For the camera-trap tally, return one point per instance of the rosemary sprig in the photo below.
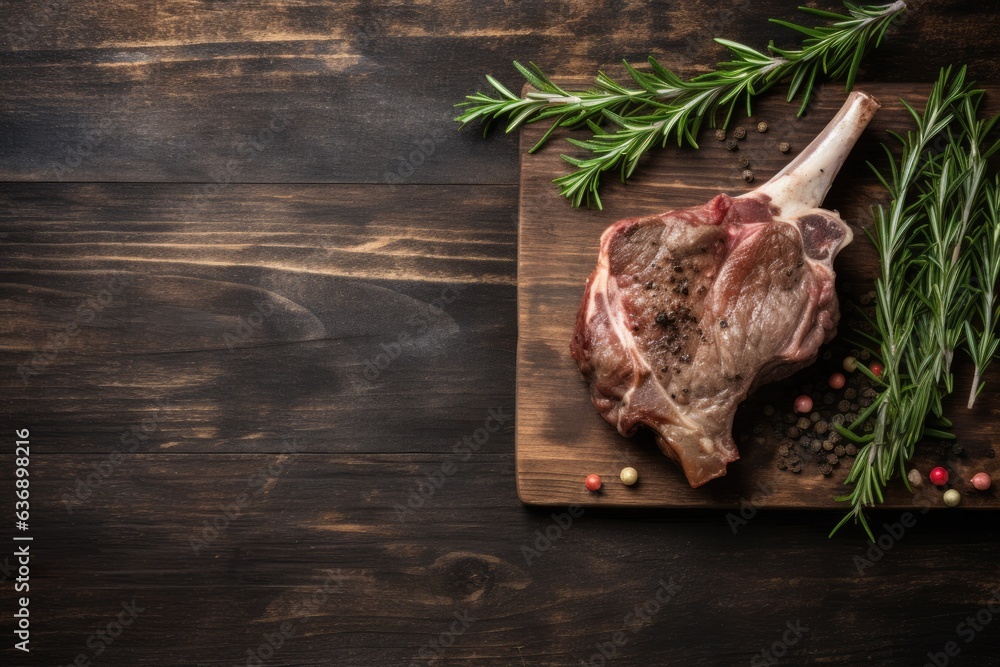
(665, 106)
(924, 290)
(983, 342)
(985, 246)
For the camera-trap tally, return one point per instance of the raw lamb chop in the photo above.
(689, 311)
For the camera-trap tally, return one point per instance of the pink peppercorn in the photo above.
(939, 476)
(981, 481)
(837, 381)
(877, 369)
(803, 404)
(593, 482)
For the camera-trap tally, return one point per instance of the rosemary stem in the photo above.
(975, 387)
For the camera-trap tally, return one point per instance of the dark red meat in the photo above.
(687, 312)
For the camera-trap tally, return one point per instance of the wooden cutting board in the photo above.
(560, 436)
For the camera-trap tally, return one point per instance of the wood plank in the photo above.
(561, 438)
(228, 323)
(402, 580)
(172, 91)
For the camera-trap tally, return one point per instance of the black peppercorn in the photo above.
(784, 147)
(748, 176)
(731, 145)
(744, 161)
(720, 134)
(740, 132)
(762, 127)
(850, 450)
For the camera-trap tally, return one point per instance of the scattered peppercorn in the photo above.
(938, 476)
(850, 393)
(877, 369)
(731, 145)
(827, 446)
(829, 398)
(784, 147)
(593, 482)
(803, 404)
(915, 478)
(840, 450)
(740, 132)
(804, 424)
(851, 450)
(744, 161)
(629, 476)
(981, 481)
(837, 381)
(833, 459)
(815, 446)
(762, 127)
(850, 364)
(768, 410)
(844, 406)
(952, 498)
(748, 176)
(957, 449)
(793, 432)
(821, 427)
(783, 450)
(826, 469)
(720, 134)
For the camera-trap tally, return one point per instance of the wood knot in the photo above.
(467, 576)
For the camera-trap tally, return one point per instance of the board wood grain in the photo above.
(560, 437)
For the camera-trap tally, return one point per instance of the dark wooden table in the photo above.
(258, 290)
